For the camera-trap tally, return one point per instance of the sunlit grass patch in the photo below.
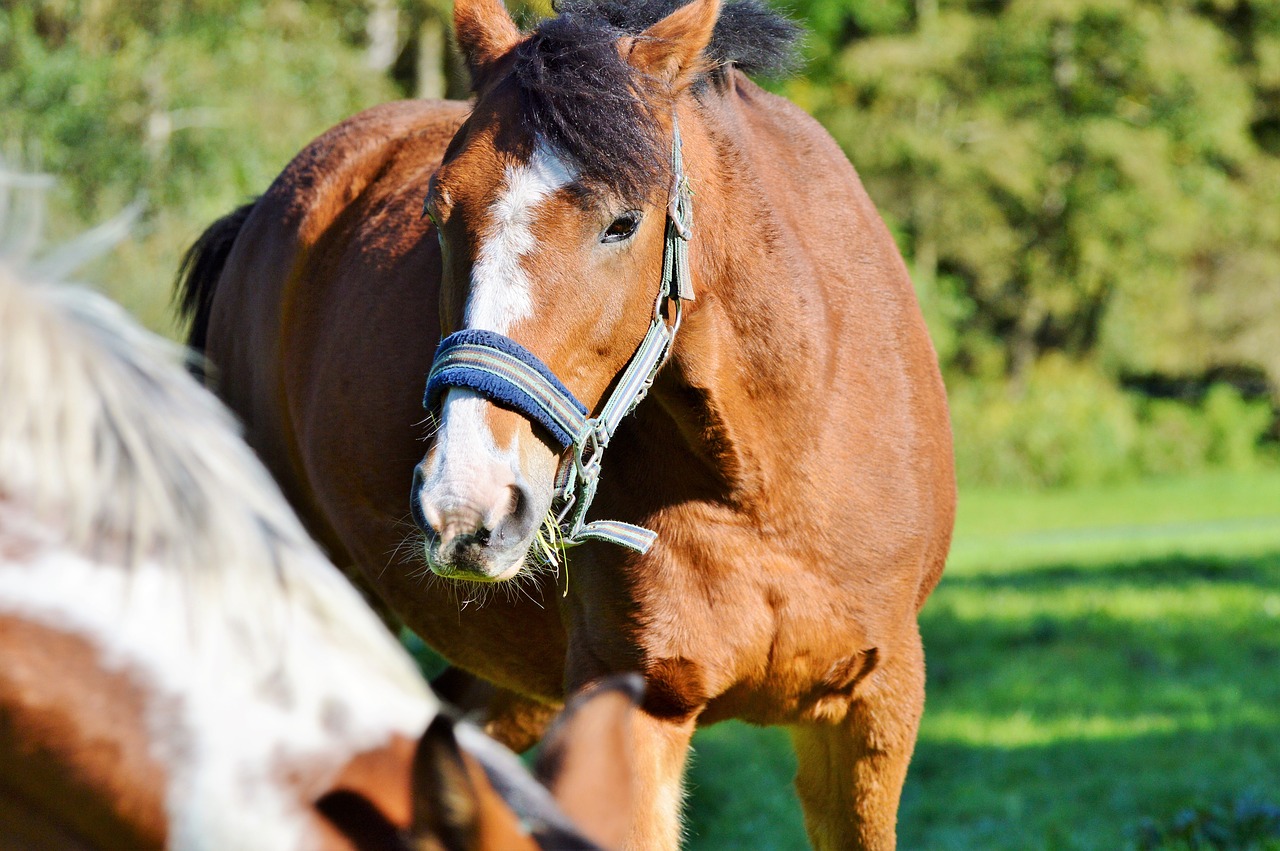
(1066, 703)
(1209, 514)
(1076, 692)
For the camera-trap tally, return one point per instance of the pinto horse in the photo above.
(793, 457)
(182, 668)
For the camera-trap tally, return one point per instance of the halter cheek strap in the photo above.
(507, 373)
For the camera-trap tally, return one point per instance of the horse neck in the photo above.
(743, 368)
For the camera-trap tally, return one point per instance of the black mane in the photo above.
(577, 94)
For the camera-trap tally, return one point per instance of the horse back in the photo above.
(325, 312)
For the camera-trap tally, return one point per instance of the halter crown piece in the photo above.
(507, 373)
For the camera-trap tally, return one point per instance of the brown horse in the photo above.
(793, 455)
(181, 668)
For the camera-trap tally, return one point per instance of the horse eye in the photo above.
(623, 227)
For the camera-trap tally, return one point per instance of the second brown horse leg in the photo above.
(851, 773)
(513, 719)
(661, 748)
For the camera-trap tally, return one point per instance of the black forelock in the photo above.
(581, 97)
(748, 34)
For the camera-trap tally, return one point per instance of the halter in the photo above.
(505, 372)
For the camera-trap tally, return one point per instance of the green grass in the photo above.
(1097, 658)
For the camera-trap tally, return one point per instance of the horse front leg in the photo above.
(850, 773)
(660, 751)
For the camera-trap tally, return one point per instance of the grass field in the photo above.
(1098, 659)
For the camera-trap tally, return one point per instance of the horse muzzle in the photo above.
(479, 532)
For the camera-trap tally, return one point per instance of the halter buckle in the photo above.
(570, 497)
(679, 189)
(588, 449)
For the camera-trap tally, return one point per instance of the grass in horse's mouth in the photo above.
(548, 548)
(548, 542)
(546, 554)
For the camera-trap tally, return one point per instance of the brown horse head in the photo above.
(550, 207)
(465, 792)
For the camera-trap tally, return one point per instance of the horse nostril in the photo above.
(520, 520)
(519, 501)
(465, 549)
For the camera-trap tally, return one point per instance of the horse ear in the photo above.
(485, 33)
(671, 49)
(587, 759)
(446, 808)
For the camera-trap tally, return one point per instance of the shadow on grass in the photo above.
(1066, 705)
(1162, 571)
(1077, 794)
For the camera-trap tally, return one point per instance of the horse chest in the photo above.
(729, 628)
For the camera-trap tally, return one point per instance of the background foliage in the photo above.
(1085, 193)
(1084, 190)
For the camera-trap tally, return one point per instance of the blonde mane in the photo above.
(104, 434)
(107, 439)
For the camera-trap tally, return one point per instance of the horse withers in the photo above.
(181, 668)
(792, 457)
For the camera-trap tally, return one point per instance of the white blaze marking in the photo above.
(501, 292)
(501, 295)
(243, 681)
(467, 451)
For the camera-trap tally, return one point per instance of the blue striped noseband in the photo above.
(508, 374)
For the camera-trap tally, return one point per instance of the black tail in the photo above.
(201, 267)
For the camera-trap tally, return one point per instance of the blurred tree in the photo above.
(1240, 281)
(193, 106)
(1091, 177)
(1084, 190)
(200, 102)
